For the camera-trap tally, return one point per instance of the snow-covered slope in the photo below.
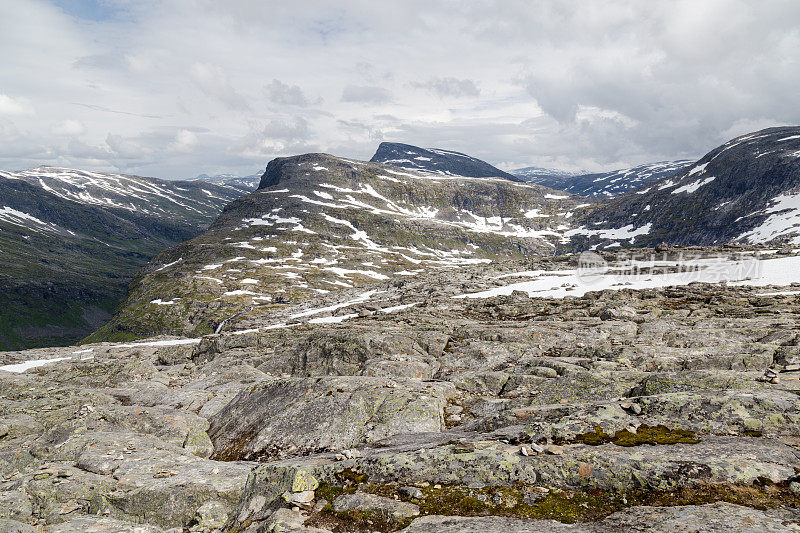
(619, 182)
(71, 241)
(242, 184)
(436, 160)
(193, 202)
(747, 190)
(603, 184)
(320, 223)
(549, 177)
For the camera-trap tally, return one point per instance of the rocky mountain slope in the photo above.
(438, 402)
(616, 183)
(437, 161)
(747, 190)
(241, 184)
(381, 349)
(549, 177)
(73, 240)
(190, 203)
(320, 224)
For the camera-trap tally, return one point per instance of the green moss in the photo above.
(523, 501)
(350, 476)
(347, 521)
(330, 492)
(645, 434)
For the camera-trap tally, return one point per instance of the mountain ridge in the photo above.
(361, 222)
(73, 240)
(436, 160)
(745, 191)
(616, 182)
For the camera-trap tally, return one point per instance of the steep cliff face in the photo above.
(747, 190)
(319, 223)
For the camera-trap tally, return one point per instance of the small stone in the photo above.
(535, 448)
(770, 373)
(545, 372)
(524, 451)
(794, 486)
(775, 380)
(791, 368)
(437, 486)
(632, 407)
(299, 498)
(554, 450)
(351, 453)
(387, 507)
(413, 493)
(454, 418)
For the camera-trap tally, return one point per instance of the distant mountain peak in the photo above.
(436, 160)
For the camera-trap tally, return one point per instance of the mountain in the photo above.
(320, 223)
(192, 203)
(73, 240)
(242, 184)
(549, 177)
(394, 350)
(436, 161)
(745, 191)
(616, 183)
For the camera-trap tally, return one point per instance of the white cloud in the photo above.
(185, 142)
(213, 81)
(12, 107)
(173, 89)
(69, 127)
(445, 87)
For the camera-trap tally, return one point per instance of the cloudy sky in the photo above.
(174, 89)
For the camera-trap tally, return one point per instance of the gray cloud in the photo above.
(213, 81)
(176, 89)
(284, 94)
(287, 130)
(365, 94)
(444, 87)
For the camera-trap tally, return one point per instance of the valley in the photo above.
(72, 241)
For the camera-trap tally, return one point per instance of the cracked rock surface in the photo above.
(672, 409)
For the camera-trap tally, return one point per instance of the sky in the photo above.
(174, 89)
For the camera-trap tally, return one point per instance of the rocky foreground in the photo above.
(401, 407)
